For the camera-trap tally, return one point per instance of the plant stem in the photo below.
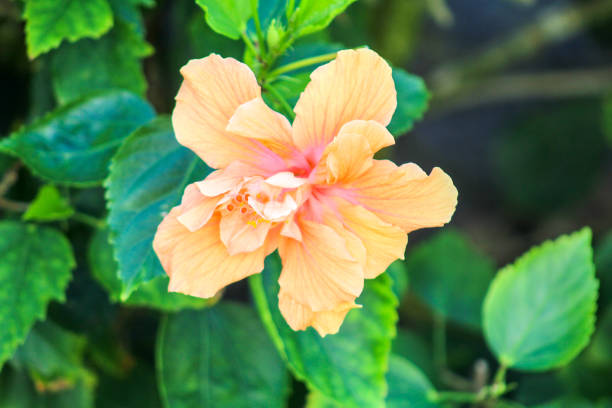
(301, 64)
(281, 100)
(88, 220)
(11, 205)
(260, 35)
(249, 43)
(500, 375)
(457, 396)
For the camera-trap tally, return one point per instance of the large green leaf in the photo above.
(49, 205)
(73, 145)
(111, 62)
(49, 22)
(147, 177)
(539, 312)
(219, 357)
(348, 367)
(314, 15)
(152, 294)
(227, 17)
(35, 265)
(53, 357)
(17, 391)
(408, 387)
(451, 276)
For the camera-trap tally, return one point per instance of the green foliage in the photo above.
(414, 349)
(221, 357)
(348, 367)
(17, 391)
(153, 294)
(49, 205)
(314, 15)
(412, 99)
(147, 178)
(399, 275)
(408, 386)
(49, 22)
(607, 119)
(451, 276)
(603, 266)
(73, 144)
(227, 17)
(539, 312)
(53, 357)
(34, 269)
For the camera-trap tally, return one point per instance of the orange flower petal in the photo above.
(383, 242)
(356, 85)
(350, 153)
(300, 317)
(197, 208)
(256, 120)
(405, 196)
(197, 262)
(239, 236)
(212, 90)
(319, 271)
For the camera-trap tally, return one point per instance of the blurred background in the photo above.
(520, 116)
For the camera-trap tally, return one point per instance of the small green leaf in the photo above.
(53, 357)
(49, 22)
(227, 17)
(348, 367)
(408, 386)
(73, 144)
(451, 276)
(35, 265)
(314, 15)
(219, 357)
(412, 100)
(18, 391)
(148, 175)
(49, 205)
(539, 312)
(153, 294)
(111, 62)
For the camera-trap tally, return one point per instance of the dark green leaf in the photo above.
(53, 357)
(73, 145)
(539, 312)
(35, 265)
(408, 386)
(451, 276)
(49, 205)
(17, 391)
(147, 178)
(348, 367)
(153, 294)
(227, 17)
(415, 349)
(49, 22)
(219, 357)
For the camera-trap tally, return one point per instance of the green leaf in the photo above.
(153, 294)
(348, 367)
(17, 391)
(49, 205)
(539, 312)
(314, 15)
(408, 387)
(147, 177)
(73, 145)
(227, 17)
(415, 349)
(412, 100)
(53, 357)
(35, 265)
(399, 275)
(111, 62)
(219, 357)
(49, 22)
(451, 276)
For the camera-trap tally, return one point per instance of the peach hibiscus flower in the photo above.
(312, 190)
